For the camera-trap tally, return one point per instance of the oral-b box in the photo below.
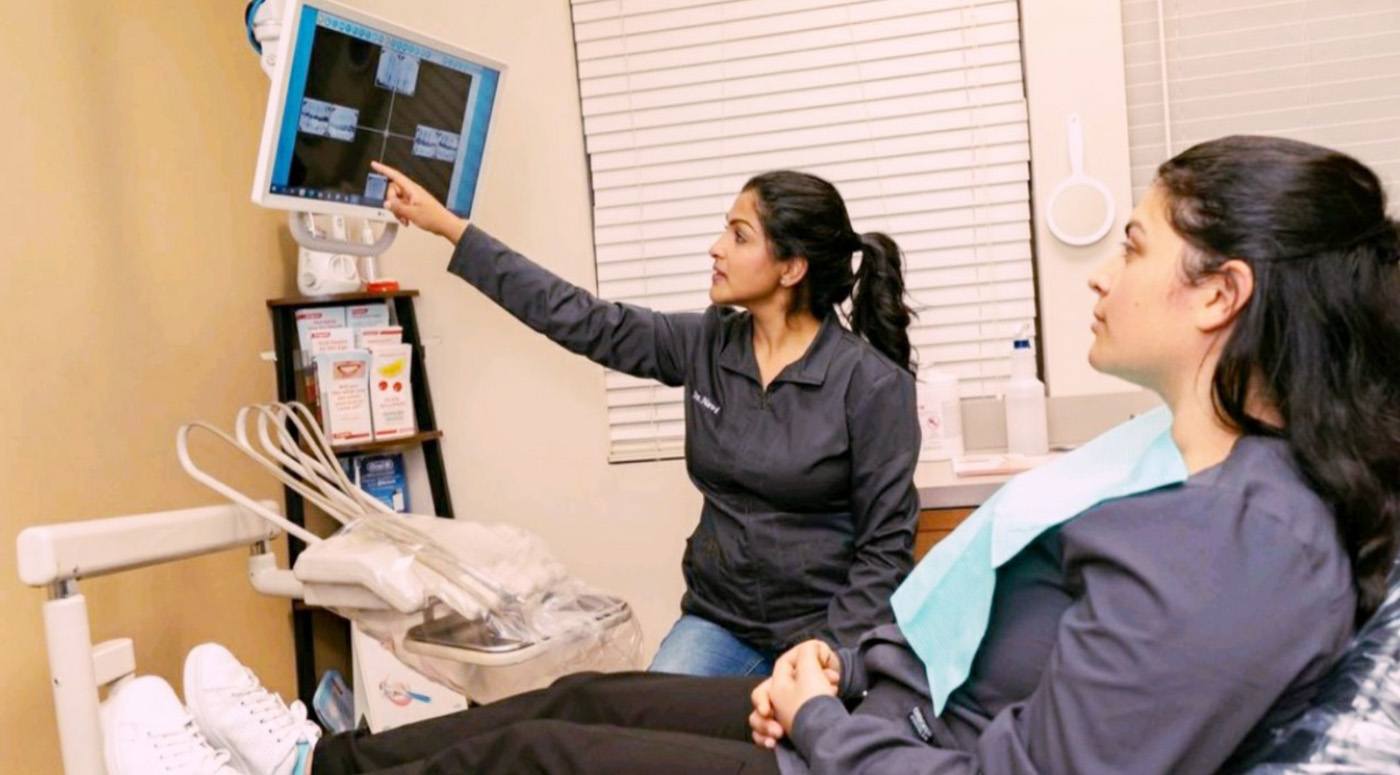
(343, 379)
(375, 336)
(391, 392)
(384, 477)
(372, 315)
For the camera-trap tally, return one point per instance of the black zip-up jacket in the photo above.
(1150, 634)
(810, 507)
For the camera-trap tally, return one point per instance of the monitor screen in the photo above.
(356, 93)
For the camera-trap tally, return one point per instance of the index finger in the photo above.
(389, 172)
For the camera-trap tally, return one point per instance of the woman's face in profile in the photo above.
(745, 271)
(1143, 329)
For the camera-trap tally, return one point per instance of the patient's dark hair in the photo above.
(804, 215)
(1320, 337)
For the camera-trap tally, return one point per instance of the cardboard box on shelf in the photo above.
(343, 379)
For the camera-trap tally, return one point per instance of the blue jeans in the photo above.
(696, 646)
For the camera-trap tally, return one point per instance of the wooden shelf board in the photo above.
(387, 444)
(339, 298)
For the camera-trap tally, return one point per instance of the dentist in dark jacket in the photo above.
(801, 433)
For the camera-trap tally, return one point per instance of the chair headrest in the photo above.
(1353, 725)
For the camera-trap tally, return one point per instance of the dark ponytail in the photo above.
(804, 215)
(1320, 336)
(878, 311)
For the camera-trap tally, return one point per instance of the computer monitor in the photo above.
(351, 88)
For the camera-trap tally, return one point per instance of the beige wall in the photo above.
(132, 277)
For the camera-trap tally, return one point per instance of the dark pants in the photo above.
(588, 723)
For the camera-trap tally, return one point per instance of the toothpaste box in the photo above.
(372, 315)
(365, 338)
(343, 380)
(391, 392)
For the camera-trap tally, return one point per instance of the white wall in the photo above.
(525, 421)
(1074, 64)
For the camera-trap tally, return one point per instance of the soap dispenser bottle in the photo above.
(1026, 428)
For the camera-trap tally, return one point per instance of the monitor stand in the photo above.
(311, 241)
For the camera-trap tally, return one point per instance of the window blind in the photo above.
(915, 109)
(1316, 70)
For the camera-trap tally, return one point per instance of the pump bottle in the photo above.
(1026, 428)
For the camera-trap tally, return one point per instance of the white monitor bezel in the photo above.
(277, 98)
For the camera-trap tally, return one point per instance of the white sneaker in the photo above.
(264, 736)
(146, 731)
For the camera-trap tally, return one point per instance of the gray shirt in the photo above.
(1148, 635)
(809, 501)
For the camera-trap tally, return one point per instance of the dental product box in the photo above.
(940, 415)
(385, 478)
(334, 703)
(343, 379)
(310, 324)
(331, 340)
(374, 315)
(366, 338)
(388, 693)
(391, 392)
(315, 319)
(324, 340)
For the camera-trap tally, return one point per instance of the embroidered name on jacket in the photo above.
(705, 402)
(921, 728)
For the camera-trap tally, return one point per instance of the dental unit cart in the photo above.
(415, 102)
(307, 620)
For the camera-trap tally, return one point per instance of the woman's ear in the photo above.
(1225, 293)
(794, 269)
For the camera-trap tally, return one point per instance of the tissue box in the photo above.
(389, 694)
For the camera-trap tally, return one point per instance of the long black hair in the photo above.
(804, 215)
(1320, 336)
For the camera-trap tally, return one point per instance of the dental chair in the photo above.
(1353, 724)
